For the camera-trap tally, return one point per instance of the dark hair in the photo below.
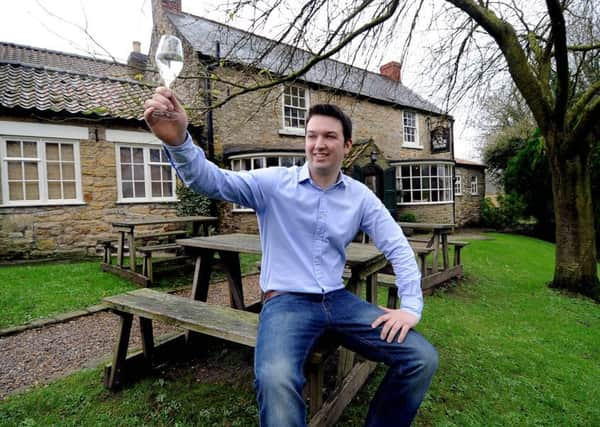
(335, 112)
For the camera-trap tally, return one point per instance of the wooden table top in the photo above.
(356, 253)
(427, 226)
(163, 220)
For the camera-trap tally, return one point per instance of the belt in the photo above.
(271, 294)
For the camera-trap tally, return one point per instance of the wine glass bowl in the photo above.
(169, 58)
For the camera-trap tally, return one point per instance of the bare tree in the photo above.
(549, 49)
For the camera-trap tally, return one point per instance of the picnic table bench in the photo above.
(129, 237)
(227, 323)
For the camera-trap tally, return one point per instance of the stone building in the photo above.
(76, 154)
(74, 151)
(469, 191)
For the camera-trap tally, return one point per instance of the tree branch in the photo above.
(588, 118)
(584, 47)
(391, 9)
(577, 110)
(518, 65)
(559, 36)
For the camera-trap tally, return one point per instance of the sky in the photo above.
(112, 25)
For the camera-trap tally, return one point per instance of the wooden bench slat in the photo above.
(217, 321)
(156, 248)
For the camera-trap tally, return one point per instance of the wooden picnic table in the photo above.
(438, 240)
(127, 228)
(362, 262)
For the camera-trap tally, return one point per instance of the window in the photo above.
(295, 106)
(424, 183)
(144, 174)
(259, 161)
(474, 185)
(40, 171)
(458, 185)
(411, 133)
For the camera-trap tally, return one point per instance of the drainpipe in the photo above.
(210, 136)
(451, 137)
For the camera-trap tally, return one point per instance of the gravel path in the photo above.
(36, 356)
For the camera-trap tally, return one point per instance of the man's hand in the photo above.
(165, 117)
(394, 322)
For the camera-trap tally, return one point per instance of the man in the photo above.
(307, 216)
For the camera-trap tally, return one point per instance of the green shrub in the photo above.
(191, 203)
(407, 217)
(506, 215)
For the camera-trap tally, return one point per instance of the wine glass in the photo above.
(169, 60)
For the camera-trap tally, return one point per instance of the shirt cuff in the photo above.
(181, 153)
(412, 304)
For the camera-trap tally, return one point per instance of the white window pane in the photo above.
(140, 189)
(156, 189)
(15, 171)
(52, 152)
(138, 155)
(128, 189)
(32, 191)
(31, 170)
(53, 171)
(167, 189)
(69, 190)
(13, 148)
(68, 172)
(15, 191)
(54, 190)
(125, 155)
(30, 149)
(67, 153)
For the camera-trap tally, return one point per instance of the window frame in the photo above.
(458, 183)
(41, 162)
(147, 163)
(474, 180)
(291, 130)
(449, 189)
(417, 142)
(263, 157)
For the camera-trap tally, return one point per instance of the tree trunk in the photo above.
(575, 268)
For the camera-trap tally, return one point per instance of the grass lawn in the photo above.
(512, 352)
(30, 292)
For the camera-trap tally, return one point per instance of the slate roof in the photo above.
(46, 80)
(471, 163)
(242, 47)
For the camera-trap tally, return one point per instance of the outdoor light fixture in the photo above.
(373, 156)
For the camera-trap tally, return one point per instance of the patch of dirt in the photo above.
(37, 356)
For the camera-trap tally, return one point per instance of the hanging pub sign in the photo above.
(440, 139)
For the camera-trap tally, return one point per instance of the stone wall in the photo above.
(468, 206)
(40, 231)
(437, 213)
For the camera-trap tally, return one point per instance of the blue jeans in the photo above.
(290, 324)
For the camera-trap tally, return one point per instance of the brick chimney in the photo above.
(137, 60)
(172, 5)
(391, 70)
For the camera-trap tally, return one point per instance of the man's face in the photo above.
(325, 147)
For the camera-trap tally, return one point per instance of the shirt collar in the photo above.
(304, 175)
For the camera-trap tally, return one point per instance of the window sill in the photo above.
(414, 147)
(448, 202)
(42, 205)
(291, 132)
(137, 202)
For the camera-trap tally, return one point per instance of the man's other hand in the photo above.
(165, 117)
(395, 322)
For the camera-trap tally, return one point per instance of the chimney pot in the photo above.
(137, 46)
(391, 70)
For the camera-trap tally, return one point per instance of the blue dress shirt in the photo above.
(304, 229)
